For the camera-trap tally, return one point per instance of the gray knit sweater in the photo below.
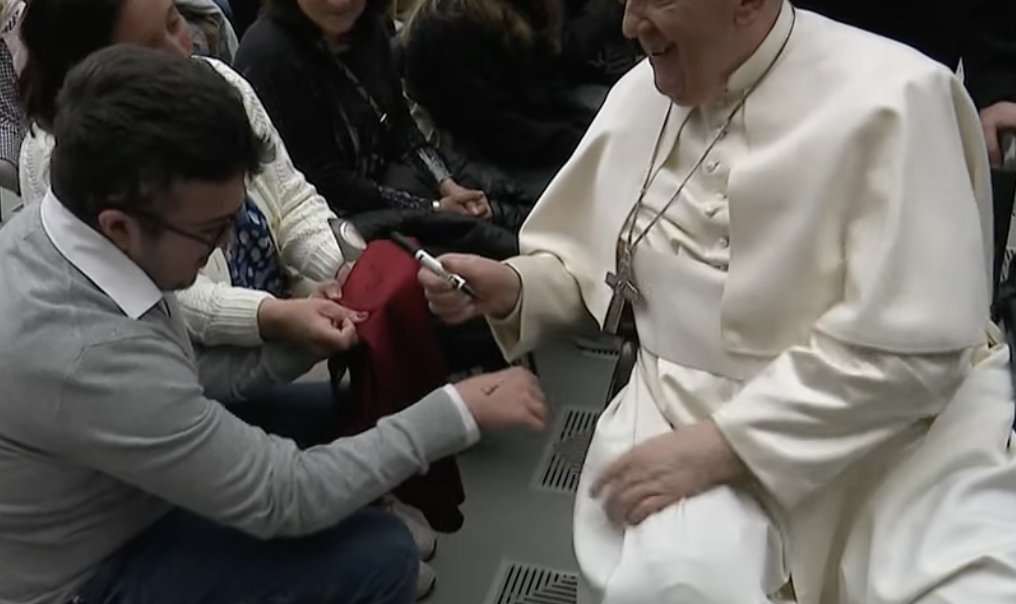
(106, 422)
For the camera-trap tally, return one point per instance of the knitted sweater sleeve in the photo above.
(219, 314)
(33, 165)
(298, 214)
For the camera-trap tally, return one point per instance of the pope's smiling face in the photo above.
(694, 45)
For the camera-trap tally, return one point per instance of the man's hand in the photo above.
(505, 399)
(316, 323)
(665, 470)
(458, 199)
(497, 287)
(995, 119)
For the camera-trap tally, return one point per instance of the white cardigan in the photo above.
(216, 312)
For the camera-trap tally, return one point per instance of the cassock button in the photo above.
(724, 243)
(712, 166)
(721, 197)
(712, 211)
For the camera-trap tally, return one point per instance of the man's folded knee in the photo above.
(399, 551)
(388, 557)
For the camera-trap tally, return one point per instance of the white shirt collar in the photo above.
(95, 256)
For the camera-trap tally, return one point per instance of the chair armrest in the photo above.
(9, 176)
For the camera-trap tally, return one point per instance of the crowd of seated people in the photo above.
(283, 237)
(510, 85)
(329, 82)
(282, 244)
(131, 471)
(249, 293)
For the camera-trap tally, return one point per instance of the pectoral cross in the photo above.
(622, 283)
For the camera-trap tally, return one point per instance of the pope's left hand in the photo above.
(666, 469)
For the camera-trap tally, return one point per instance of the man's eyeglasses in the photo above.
(220, 236)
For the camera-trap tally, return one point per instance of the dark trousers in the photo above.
(369, 558)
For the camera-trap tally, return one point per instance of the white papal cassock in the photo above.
(821, 291)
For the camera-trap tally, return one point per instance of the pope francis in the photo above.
(797, 215)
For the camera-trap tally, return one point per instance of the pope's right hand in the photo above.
(505, 399)
(497, 286)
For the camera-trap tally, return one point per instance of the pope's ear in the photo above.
(748, 11)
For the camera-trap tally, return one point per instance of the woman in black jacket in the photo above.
(504, 59)
(328, 80)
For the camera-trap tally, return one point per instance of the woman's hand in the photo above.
(458, 199)
(318, 324)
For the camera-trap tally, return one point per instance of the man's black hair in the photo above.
(132, 122)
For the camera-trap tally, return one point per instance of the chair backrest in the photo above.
(1003, 183)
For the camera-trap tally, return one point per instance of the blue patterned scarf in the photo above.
(252, 257)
